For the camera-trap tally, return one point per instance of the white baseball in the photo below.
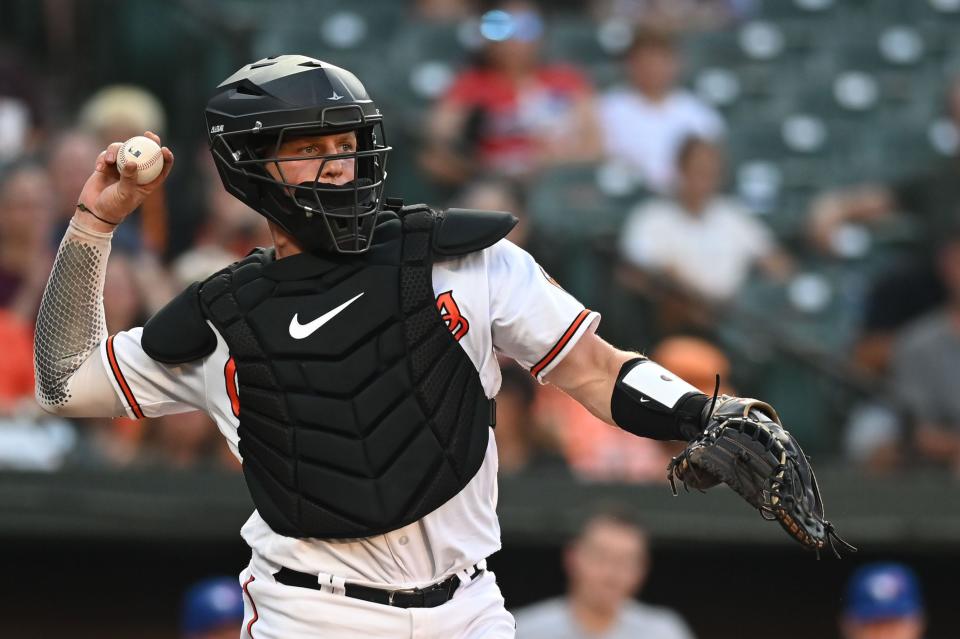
(146, 153)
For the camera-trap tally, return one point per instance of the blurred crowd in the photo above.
(609, 561)
(684, 258)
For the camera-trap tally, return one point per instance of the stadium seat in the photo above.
(793, 9)
(574, 40)
(569, 201)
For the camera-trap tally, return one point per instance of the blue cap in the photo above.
(212, 604)
(498, 25)
(883, 591)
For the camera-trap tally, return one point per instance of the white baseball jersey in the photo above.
(495, 300)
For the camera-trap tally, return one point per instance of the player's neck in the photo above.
(284, 245)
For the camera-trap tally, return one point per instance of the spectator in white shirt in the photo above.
(645, 122)
(704, 241)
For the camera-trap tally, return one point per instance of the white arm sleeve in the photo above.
(81, 372)
(70, 327)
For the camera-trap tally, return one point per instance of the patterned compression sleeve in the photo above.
(71, 321)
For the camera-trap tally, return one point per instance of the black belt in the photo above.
(429, 597)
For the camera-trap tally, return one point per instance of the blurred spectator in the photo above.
(926, 366)
(212, 609)
(511, 114)
(606, 565)
(444, 11)
(120, 111)
(493, 194)
(186, 440)
(26, 214)
(71, 160)
(929, 200)
(695, 360)
(874, 436)
(520, 442)
(16, 374)
(230, 231)
(109, 442)
(704, 241)
(598, 451)
(883, 602)
(675, 15)
(646, 121)
(20, 100)
(116, 113)
(930, 197)
(595, 450)
(123, 304)
(29, 438)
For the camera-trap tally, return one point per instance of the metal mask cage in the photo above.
(350, 222)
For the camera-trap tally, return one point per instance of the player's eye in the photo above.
(309, 150)
(346, 147)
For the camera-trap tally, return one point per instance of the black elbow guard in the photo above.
(650, 401)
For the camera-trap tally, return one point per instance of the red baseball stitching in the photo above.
(146, 165)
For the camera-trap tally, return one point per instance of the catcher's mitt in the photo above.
(745, 446)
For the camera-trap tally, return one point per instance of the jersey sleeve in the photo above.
(146, 387)
(533, 320)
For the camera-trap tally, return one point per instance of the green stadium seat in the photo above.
(574, 40)
(812, 10)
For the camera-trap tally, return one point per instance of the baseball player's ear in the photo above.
(179, 333)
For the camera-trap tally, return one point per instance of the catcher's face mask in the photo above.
(329, 183)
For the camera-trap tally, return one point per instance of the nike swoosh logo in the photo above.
(644, 400)
(303, 331)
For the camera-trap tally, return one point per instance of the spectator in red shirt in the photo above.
(16, 374)
(511, 114)
(26, 212)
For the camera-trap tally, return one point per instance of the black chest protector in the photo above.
(359, 412)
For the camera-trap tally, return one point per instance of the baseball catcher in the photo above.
(352, 368)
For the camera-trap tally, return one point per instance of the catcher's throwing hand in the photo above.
(110, 195)
(745, 446)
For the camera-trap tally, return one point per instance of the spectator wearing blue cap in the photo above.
(212, 609)
(883, 602)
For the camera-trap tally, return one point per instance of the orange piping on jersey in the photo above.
(256, 615)
(121, 381)
(229, 373)
(571, 331)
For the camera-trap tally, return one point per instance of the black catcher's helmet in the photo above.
(277, 98)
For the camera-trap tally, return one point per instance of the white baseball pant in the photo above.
(278, 611)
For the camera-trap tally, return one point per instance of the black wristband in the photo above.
(644, 416)
(83, 207)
